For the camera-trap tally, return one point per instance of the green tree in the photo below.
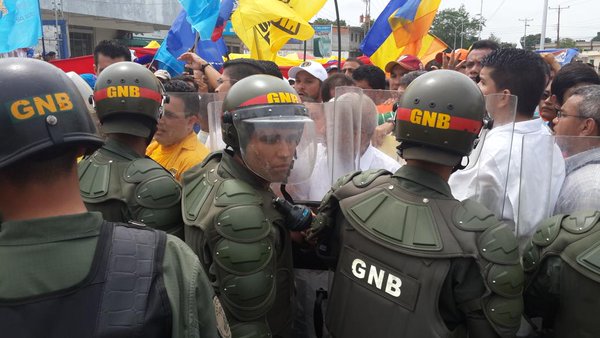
(597, 37)
(451, 24)
(533, 39)
(567, 43)
(322, 21)
(497, 40)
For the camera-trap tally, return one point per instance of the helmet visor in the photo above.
(280, 149)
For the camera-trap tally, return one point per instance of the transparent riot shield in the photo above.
(485, 176)
(343, 121)
(300, 192)
(211, 106)
(581, 187)
(383, 136)
(559, 176)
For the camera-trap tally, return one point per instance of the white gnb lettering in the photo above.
(358, 271)
(376, 277)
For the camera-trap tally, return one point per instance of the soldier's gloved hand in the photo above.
(318, 226)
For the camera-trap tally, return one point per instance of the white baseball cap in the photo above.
(313, 68)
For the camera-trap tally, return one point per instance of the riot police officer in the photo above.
(67, 272)
(118, 180)
(410, 260)
(231, 222)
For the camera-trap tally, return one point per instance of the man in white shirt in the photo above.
(496, 179)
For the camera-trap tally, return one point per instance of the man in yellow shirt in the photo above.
(175, 145)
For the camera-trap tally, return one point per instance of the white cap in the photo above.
(313, 68)
(162, 74)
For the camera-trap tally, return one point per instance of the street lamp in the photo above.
(462, 33)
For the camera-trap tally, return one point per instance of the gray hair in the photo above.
(590, 104)
(367, 108)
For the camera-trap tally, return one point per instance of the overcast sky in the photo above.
(580, 21)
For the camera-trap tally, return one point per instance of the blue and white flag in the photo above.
(20, 24)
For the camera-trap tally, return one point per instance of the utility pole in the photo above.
(558, 26)
(367, 20)
(544, 17)
(525, 34)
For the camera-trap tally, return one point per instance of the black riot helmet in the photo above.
(129, 99)
(41, 109)
(439, 117)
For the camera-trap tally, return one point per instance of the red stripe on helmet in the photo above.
(255, 101)
(145, 93)
(456, 123)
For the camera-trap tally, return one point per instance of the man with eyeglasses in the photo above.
(578, 120)
(176, 147)
(563, 279)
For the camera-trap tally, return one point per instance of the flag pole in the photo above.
(337, 19)
(42, 28)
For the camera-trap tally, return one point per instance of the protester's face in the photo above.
(270, 152)
(486, 83)
(363, 84)
(473, 64)
(105, 61)
(349, 67)
(547, 106)
(174, 126)
(395, 75)
(308, 85)
(570, 123)
(225, 82)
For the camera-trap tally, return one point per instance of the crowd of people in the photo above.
(453, 199)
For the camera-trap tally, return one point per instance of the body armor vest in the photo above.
(576, 239)
(123, 295)
(243, 244)
(395, 253)
(125, 188)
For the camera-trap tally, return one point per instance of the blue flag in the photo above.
(381, 29)
(20, 24)
(224, 15)
(212, 52)
(202, 14)
(179, 40)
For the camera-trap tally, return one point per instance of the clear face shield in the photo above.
(344, 132)
(500, 116)
(537, 184)
(383, 138)
(278, 148)
(211, 104)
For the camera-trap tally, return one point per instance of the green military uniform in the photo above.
(125, 185)
(563, 275)
(243, 243)
(68, 272)
(437, 256)
(229, 212)
(116, 180)
(410, 260)
(34, 253)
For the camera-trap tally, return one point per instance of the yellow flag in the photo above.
(425, 49)
(266, 25)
